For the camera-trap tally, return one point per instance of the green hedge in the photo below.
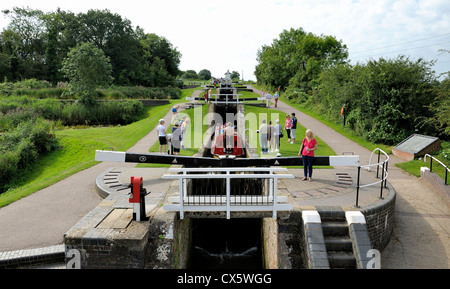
(71, 113)
(42, 89)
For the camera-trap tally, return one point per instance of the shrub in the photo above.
(21, 145)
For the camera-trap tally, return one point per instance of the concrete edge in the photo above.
(18, 258)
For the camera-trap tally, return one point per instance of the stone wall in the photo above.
(290, 244)
(270, 243)
(108, 249)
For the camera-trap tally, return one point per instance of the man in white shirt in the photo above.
(263, 134)
(268, 97)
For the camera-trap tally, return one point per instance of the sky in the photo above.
(226, 35)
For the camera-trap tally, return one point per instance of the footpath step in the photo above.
(341, 260)
(337, 240)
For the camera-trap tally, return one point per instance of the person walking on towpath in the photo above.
(268, 98)
(275, 98)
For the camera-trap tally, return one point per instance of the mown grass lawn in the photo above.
(286, 149)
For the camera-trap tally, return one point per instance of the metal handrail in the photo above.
(431, 165)
(384, 173)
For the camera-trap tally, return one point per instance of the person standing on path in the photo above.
(293, 127)
(275, 98)
(183, 126)
(287, 127)
(277, 135)
(162, 136)
(176, 138)
(271, 136)
(263, 134)
(309, 145)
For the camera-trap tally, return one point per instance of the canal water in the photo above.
(226, 244)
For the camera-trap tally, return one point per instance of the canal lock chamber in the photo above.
(244, 241)
(218, 243)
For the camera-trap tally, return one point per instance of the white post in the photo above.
(181, 198)
(137, 211)
(271, 185)
(228, 195)
(184, 184)
(275, 181)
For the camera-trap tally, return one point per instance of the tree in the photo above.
(86, 67)
(297, 58)
(235, 75)
(190, 74)
(35, 43)
(24, 41)
(204, 74)
(159, 66)
(441, 108)
(116, 37)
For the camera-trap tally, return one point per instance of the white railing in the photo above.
(267, 200)
(442, 164)
(384, 173)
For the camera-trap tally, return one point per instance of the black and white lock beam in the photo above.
(188, 161)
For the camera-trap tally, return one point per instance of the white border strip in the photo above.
(311, 217)
(109, 156)
(344, 161)
(355, 217)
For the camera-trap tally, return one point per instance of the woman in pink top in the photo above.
(309, 145)
(287, 127)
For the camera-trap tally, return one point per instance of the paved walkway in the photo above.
(420, 238)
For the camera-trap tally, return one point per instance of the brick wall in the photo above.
(403, 155)
(380, 220)
(437, 183)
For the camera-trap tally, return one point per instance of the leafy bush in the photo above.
(16, 116)
(21, 145)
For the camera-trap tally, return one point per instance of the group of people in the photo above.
(268, 98)
(270, 136)
(270, 141)
(178, 133)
